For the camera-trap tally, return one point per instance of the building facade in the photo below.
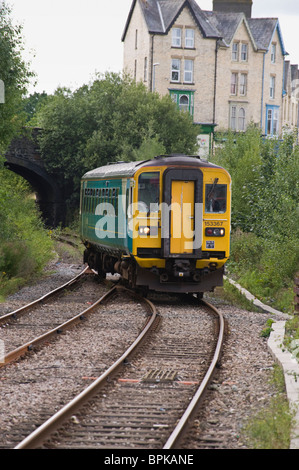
(224, 67)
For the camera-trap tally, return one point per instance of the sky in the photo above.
(69, 41)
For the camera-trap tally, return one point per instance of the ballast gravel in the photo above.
(239, 390)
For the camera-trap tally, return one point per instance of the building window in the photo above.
(184, 103)
(269, 121)
(241, 121)
(272, 87)
(189, 38)
(244, 52)
(145, 69)
(176, 37)
(234, 84)
(237, 117)
(243, 84)
(184, 99)
(136, 39)
(235, 52)
(272, 120)
(135, 70)
(273, 53)
(233, 116)
(175, 70)
(188, 71)
(275, 122)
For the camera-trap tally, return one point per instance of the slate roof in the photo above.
(160, 15)
(262, 30)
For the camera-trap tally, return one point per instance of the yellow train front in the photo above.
(163, 224)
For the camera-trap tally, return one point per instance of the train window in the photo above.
(216, 197)
(116, 202)
(149, 192)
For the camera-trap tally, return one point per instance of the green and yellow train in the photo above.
(162, 224)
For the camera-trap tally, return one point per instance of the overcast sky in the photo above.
(73, 39)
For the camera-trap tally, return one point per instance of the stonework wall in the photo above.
(142, 50)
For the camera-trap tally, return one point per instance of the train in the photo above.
(162, 224)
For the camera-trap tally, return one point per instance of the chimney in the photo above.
(234, 6)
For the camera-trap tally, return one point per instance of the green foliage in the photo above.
(32, 104)
(271, 427)
(110, 120)
(15, 75)
(265, 333)
(265, 210)
(25, 246)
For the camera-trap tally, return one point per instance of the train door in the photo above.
(182, 213)
(182, 217)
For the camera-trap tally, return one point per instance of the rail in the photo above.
(194, 403)
(41, 433)
(20, 311)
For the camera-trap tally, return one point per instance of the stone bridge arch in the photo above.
(24, 158)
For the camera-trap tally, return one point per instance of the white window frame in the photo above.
(185, 106)
(273, 53)
(244, 52)
(269, 121)
(241, 119)
(175, 70)
(243, 84)
(272, 87)
(275, 122)
(233, 118)
(188, 70)
(234, 84)
(189, 38)
(176, 37)
(145, 69)
(235, 52)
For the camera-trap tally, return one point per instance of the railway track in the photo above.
(27, 327)
(147, 398)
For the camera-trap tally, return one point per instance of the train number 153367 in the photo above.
(214, 223)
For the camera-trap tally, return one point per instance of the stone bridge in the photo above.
(24, 158)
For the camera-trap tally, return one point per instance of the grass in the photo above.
(271, 427)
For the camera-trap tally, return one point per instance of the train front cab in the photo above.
(180, 227)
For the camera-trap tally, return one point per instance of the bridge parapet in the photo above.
(24, 158)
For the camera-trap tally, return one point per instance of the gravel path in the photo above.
(239, 390)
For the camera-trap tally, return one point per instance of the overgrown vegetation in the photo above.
(15, 75)
(271, 427)
(24, 244)
(265, 212)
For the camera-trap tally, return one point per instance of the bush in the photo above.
(265, 205)
(25, 246)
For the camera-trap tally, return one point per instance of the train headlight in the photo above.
(215, 232)
(144, 230)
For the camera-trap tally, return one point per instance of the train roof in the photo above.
(128, 169)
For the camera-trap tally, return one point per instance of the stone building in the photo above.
(224, 67)
(291, 96)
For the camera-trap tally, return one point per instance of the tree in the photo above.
(112, 119)
(14, 75)
(32, 104)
